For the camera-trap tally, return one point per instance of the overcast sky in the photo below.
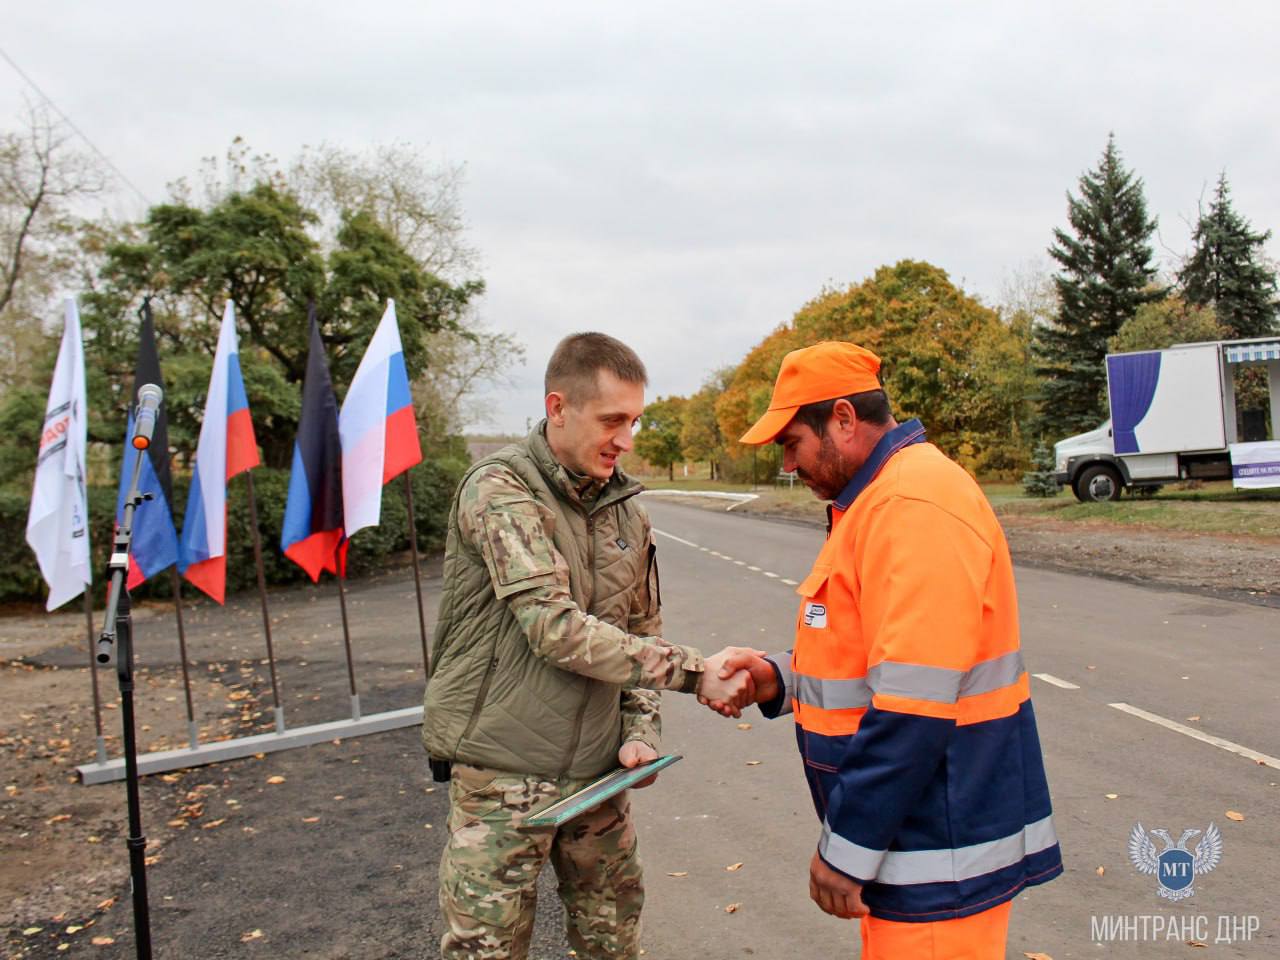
(686, 176)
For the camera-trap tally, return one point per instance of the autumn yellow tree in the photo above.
(947, 359)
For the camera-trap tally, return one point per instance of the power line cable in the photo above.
(80, 133)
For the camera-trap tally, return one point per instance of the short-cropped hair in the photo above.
(871, 406)
(576, 363)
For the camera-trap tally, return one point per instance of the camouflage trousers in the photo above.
(490, 866)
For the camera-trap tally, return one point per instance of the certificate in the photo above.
(597, 792)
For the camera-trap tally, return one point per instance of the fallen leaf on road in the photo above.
(75, 928)
(213, 823)
(310, 819)
(679, 873)
(1232, 815)
(276, 779)
(1037, 956)
(734, 866)
(107, 904)
(1091, 667)
(1112, 796)
(238, 695)
(754, 763)
(1194, 718)
(338, 796)
(1101, 871)
(60, 818)
(103, 941)
(744, 726)
(1196, 943)
(427, 826)
(177, 823)
(732, 908)
(251, 935)
(31, 931)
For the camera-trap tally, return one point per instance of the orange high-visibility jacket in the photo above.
(912, 705)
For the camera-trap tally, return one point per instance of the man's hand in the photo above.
(763, 678)
(634, 753)
(835, 893)
(733, 689)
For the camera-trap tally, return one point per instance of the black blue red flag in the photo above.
(155, 541)
(313, 535)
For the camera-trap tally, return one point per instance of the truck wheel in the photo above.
(1098, 483)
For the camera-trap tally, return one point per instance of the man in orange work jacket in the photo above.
(912, 705)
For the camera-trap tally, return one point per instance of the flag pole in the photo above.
(346, 640)
(417, 575)
(99, 740)
(262, 593)
(193, 735)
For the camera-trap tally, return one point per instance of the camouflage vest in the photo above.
(490, 701)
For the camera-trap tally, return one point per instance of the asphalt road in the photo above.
(338, 860)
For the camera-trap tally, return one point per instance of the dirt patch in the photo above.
(62, 871)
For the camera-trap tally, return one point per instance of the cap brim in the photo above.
(769, 426)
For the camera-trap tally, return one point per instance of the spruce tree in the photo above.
(1226, 270)
(1106, 274)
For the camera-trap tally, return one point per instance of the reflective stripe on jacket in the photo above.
(911, 701)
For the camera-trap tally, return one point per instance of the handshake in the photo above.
(734, 678)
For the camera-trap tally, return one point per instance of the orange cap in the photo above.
(823, 371)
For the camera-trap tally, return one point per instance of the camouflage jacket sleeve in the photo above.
(499, 518)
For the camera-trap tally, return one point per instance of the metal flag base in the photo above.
(165, 760)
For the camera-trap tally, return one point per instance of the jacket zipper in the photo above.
(480, 699)
(586, 681)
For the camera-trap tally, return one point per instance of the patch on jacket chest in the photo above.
(815, 615)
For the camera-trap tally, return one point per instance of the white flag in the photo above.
(58, 524)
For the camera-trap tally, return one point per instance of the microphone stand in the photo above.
(117, 628)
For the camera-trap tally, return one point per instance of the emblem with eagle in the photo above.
(1175, 868)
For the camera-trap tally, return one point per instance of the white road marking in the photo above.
(1200, 735)
(791, 583)
(1056, 681)
(672, 536)
(717, 553)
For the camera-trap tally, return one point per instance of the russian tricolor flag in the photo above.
(312, 536)
(227, 447)
(377, 426)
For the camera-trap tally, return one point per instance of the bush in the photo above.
(371, 549)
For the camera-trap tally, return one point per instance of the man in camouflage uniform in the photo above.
(547, 665)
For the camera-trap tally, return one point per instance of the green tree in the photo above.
(1162, 324)
(700, 434)
(658, 439)
(257, 249)
(1106, 275)
(1228, 272)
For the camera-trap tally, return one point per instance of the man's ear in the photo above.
(844, 417)
(555, 408)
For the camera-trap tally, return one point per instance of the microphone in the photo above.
(144, 423)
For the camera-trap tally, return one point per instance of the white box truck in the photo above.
(1173, 417)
